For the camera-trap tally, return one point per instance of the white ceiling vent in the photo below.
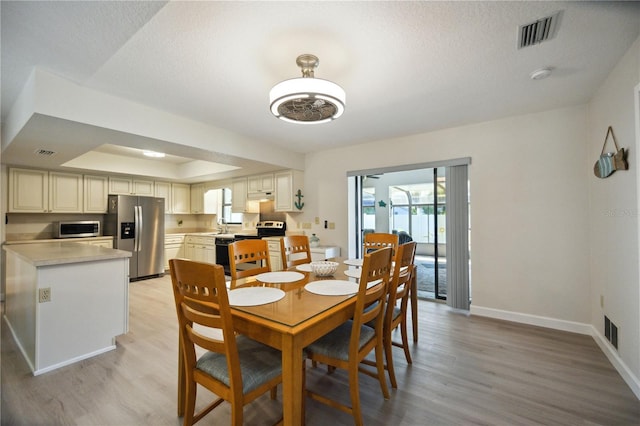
(45, 152)
(537, 32)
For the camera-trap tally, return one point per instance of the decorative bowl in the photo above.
(324, 268)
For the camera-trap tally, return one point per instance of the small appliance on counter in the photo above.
(137, 225)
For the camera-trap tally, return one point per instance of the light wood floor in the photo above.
(466, 371)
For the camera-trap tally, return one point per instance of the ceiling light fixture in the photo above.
(540, 74)
(307, 100)
(154, 154)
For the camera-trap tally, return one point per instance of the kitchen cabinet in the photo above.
(180, 198)
(130, 186)
(287, 185)
(96, 190)
(239, 202)
(106, 242)
(65, 192)
(200, 248)
(197, 198)
(173, 248)
(275, 255)
(212, 200)
(40, 191)
(324, 253)
(163, 190)
(260, 186)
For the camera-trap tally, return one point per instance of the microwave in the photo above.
(76, 229)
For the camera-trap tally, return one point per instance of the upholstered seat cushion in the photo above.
(259, 363)
(336, 343)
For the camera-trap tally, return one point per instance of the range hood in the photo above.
(260, 196)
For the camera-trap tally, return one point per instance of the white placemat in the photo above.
(279, 277)
(353, 262)
(332, 287)
(253, 296)
(305, 267)
(353, 273)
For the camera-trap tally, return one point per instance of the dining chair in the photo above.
(252, 254)
(295, 250)
(235, 368)
(394, 317)
(346, 346)
(377, 240)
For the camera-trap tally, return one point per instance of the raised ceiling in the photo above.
(407, 68)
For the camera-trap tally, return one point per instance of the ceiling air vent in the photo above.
(45, 152)
(537, 32)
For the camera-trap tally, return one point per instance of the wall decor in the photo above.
(382, 203)
(299, 204)
(609, 162)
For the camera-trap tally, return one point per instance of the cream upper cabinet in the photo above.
(239, 195)
(259, 186)
(96, 191)
(180, 198)
(197, 198)
(288, 186)
(129, 186)
(28, 191)
(163, 190)
(65, 192)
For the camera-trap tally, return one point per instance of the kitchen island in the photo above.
(65, 301)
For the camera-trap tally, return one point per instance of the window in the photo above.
(368, 208)
(413, 210)
(227, 214)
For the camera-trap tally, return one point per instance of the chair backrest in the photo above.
(372, 292)
(377, 240)
(399, 284)
(295, 250)
(246, 252)
(200, 294)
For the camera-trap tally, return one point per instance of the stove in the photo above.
(270, 228)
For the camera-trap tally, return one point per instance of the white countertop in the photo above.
(59, 253)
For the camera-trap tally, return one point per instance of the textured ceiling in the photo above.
(407, 67)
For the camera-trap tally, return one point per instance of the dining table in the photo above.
(297, 318)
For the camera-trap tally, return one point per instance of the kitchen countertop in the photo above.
(59, 253)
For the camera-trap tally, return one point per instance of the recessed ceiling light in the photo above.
(154, 154)
(540, 74)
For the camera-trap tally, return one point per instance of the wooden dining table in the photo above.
(289, 325)
(292, 323)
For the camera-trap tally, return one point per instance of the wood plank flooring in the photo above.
(465, 371)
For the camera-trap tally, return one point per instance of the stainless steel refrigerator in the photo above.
(137, 225)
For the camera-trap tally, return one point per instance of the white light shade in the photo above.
(154, 154)
(328, 96)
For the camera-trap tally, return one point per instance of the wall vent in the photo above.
(45, 152)
(541, 30)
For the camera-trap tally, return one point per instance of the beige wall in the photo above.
(614, 211)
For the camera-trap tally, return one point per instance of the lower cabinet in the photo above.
(200, 248)
(275, 256)
(173, 248)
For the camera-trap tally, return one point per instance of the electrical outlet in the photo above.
(317, 220)
(306, 225)
(44, 295)
(601, 301)
(332, 225)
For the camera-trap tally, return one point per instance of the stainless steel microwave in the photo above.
(76, 229)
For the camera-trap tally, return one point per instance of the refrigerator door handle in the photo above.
(137, 211)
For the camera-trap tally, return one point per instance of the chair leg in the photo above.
(190, 402)
(236, 413)
(388, 352)
(405, 340)
(380, 367)
(354, 390)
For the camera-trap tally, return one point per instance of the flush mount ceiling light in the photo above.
(307, 100)
(154, 154)
(540, 74)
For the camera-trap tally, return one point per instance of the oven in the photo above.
(271, 228)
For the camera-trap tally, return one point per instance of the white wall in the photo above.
(614, 213)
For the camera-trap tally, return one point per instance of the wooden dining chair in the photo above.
(377, 240)
(295, 250)
(248, 258)
(235, 368)
(346, 346)
(396, 316)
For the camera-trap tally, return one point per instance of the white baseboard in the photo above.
(556, 324)
(575, 327)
